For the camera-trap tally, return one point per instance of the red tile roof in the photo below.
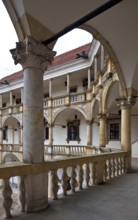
(58, 60)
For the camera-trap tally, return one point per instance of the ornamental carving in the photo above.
(124, 102)
(31, 53)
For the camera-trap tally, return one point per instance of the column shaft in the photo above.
(102, 131)
(34, 58)
(89, 133)
(33, 116)
(126, 129)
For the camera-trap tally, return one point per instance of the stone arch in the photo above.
(10, 157)
(135, 80)
(98, 36)
(8, 117)
(45, 116)
(106, 92)
(72, 107)
(94, 101)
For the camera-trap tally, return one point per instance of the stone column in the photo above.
(34, 58)
(11, 98)
(50, 88)
(68, 83)
(21, 95)
(89, 132)
(50, 135)
(126, 104)
(89, 78)
(102, 57)
(95, 67)
(1, 138)
(102, 130)
(0, 100)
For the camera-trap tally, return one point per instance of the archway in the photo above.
(70, 128)
(11, 131)
(113, 115)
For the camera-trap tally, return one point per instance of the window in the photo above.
(73, 131)
(18, 101)
(46, 133)
(4, 105)
(5, 132)
(113, 130)
(73, 89)
(46, 95)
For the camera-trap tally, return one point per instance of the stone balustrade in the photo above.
(9, 110)
(11, 148)
(66, 176)
(70, 150)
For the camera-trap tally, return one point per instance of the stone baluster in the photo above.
(94, 173)
(121, 166)
(22, 196)
(73, 179)
(7, 202)
(106, 171)
(65, 179)
(80, 177)
(109, 169)
(54, 184)
(113, 167)
(87, 175)
(117, 166)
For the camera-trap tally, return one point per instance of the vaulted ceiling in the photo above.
(116, 28)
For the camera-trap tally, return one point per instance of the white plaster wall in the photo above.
(12, 132)
(134, 135)
(60, 134)
(95, 135)
(114, 144)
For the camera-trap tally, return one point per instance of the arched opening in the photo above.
(11, 131)
(72, 40)
(113, 120)
(70, 128)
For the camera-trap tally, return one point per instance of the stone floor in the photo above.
(114, 200)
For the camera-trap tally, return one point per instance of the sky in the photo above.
(8, 39)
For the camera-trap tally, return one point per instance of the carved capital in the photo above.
(32, 53)
(101, 116)
(124, 102)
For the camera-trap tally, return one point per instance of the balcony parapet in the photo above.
(15, 109)
(83, 172)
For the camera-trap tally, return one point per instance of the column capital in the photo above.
(32, 53)
(101, 116)
(89, 122)
(125, 102)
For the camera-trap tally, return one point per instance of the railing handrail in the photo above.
(21, 169)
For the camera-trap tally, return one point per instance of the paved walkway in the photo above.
(114, 200)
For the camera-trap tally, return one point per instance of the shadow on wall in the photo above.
(135, 149)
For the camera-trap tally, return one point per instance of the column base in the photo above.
(36, 193)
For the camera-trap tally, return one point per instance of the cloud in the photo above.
(8, 38)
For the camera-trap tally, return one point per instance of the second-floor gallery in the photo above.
(82, 98)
